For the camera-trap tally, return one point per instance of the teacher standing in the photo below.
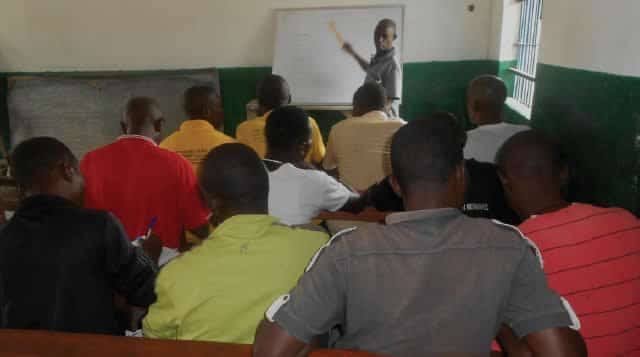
(384, 67)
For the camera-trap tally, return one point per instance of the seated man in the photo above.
(430, 282)
(60, 264)
(298, 192)
(198, 134)
(486, 96)
(249, 260)
(591, 254)
(483, 198)
(273, 93)
(139, 182)
(359, 147)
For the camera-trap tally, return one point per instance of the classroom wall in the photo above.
(588, 94)
(445, 44)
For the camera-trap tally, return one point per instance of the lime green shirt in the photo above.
(220, 290)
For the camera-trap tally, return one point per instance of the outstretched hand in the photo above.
(348, 48)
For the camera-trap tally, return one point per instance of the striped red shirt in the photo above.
(592, 258)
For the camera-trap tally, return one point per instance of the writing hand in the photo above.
(153, 247)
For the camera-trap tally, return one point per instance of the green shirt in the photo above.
(220, 290)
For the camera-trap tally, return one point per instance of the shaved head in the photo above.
(486, 96)
(273, 92)
(202, 102)
(233, 181)
(533, 172)
(143, 117)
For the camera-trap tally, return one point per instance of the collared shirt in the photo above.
(428, 282)
(233, 276)
(360, 148)
(385, 70)
(592, 258)
(484, 141)
(194, 140)
(137, 181)
(61, 264)
(251, 133)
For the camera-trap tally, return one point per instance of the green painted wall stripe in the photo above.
(596, 118)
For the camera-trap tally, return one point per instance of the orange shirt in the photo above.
(592, 259)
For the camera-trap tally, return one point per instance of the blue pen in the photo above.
(138, 241)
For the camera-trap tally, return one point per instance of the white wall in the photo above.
(505, 30)
(594, 35)
(39, 35)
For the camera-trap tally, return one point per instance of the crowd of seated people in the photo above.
(102, 245)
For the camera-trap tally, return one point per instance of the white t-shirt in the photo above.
(484, 141)
(297, 196)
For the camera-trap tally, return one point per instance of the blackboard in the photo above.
(84, 111)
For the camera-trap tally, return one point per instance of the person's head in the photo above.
(369, 97)
(533, 172)
(45, 165)
(288, 133)
(273, 93)
(202, 102)
(142, 117)
(427, 162)
(486, 95)
(233, 180)
(385, 33)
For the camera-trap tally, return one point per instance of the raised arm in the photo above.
(348, 48)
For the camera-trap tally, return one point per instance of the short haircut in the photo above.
(196, 99)
(139, 109)
(235, 174)
(369, 97)
(488, 89)
(531, 154)
(287, 128)
(427, 151)
(273, 92)
(385, 24)
(33, 160)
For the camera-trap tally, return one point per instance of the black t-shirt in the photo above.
(60, 266)
(484, 197)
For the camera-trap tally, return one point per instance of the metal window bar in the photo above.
(525, 71)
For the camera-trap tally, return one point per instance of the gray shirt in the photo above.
(432, 281)
(386, 70)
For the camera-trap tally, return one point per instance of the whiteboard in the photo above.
(85, 112)
(308, 55)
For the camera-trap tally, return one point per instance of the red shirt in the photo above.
(136, 180)
(592, 259)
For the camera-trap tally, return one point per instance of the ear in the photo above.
(461, 175)
(289, 99)
(67, 171)
(123, 127)
(305, 148)
(157, 124)
(395, 185)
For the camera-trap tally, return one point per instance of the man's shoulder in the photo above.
(299, 236)
(251, 124)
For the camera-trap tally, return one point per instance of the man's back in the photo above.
(592, 258)
(429, 282)
(251, 133)
(60, 266)
(234, 275)
(194, 140)
(484, 141)
(137, 181)
(360, 147)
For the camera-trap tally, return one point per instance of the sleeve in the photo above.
(241, 135)
(316, 304)
(132, 271)
(392, 80)
(162, 319)
(330, 161)
(334, 194)
(532, 306)
(195, 213)
(167, 143)
(383, 198)
(318, 149)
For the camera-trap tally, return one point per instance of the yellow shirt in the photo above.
(194, 140)
(251, 133)
(360, 148)
(220, 290)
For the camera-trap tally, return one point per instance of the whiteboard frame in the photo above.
(340, 106)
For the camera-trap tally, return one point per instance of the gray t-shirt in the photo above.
(432, 281)
(385, 70)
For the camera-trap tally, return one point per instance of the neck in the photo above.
(429, 199)
(285, 157)
(146, 132)
(490, 118)
(548, 206)
(50, 191)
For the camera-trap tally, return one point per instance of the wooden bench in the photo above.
(32, 343)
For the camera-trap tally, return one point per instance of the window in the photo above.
(525, 70)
